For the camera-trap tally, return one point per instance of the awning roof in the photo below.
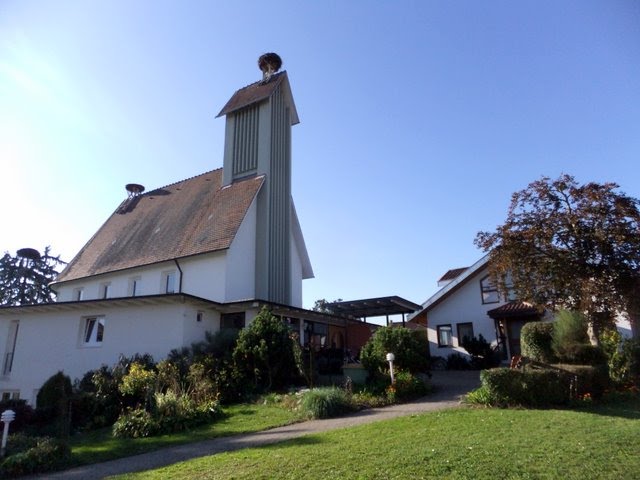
(374, 307)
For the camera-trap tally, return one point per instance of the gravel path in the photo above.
(449, 387)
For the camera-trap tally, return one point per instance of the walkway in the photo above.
(450, 386)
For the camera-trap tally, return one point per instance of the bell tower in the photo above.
(259, 118)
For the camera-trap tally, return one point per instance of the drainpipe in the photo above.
(180, 270)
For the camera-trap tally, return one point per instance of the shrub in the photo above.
(534, 388)
(480, 396)
(535, 341)
(569, 328)
(326, 402)
(28, 455)
(457, 361)
(135, 423)
(52, 405)
(410, 347)
(624, 365)
(138, 383)
(592, 380)
(409, 386)
(582, 354)
(483, 355)
(264, 353)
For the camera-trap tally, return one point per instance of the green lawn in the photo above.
(100, 446)
(601, 442)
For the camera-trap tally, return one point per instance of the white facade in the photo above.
(50, 340)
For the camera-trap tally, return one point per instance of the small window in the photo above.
(445, 337)
(134, 286)
(10, 395)
(489, 291)
(465, 330)
(105, 290)
(170, 282)
(199, 316)
(78, 294)
(232, 320)
(93, 331)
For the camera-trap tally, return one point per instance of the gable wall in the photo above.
(463, 305)
(240, 281)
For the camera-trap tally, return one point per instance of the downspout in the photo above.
(180, 270)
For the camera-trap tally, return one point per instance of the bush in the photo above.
(457, 361)
(535, 341)
(582, 354)
(624, 365)
(531, 388)
(138, 384)
(480, 396)
(264, 353)
(569, 328)
(592, 380)
(28, 455)
(483, 355)
(408, 387)
(52, 405)
(326, 403)
(136, 423)
(410, 347)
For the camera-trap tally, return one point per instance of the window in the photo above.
(465, 330)
(232, 320)
(170, 282)
(93, 331)
(78, 294)
(12, 338)
(445, 337)
(199, 316)
(105, 290)
(134, 286)
(10, 395)
(489, 291)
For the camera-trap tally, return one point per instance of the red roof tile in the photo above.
(453, 273)
(186, 218)
(513, 309)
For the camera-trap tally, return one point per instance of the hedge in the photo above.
(535, 341)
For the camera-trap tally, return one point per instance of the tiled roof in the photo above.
(453, 273)
(254, 93)
(513, 309)
(186, 218)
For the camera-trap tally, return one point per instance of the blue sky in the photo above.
(418, 118)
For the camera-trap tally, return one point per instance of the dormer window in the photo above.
(170, 282)
(105, 290)
(78, 294)
(134, 286)
(489, 291)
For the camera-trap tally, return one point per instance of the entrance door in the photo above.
(513, 335)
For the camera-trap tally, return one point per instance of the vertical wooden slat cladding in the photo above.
(245, 139)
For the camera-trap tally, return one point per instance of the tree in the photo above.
(410, 347)
(572, 246)
(264, 352)
(323, 306)
(25, 278)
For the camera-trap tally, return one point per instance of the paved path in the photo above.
(449, 387)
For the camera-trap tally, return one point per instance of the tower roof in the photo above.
(257, 92)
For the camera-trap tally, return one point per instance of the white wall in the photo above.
(52, 341)
(462, 306)
(204, 275)
(296, 274)
(241, 260)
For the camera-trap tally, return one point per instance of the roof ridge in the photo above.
(181, 181)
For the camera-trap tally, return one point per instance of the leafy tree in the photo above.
(410, 347)
(264, 352)
(571, 246)
(25, 278)
(322, 305)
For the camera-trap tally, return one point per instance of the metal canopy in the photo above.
(374, 307)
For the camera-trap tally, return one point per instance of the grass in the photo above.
(100, 446)
(599, 442)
